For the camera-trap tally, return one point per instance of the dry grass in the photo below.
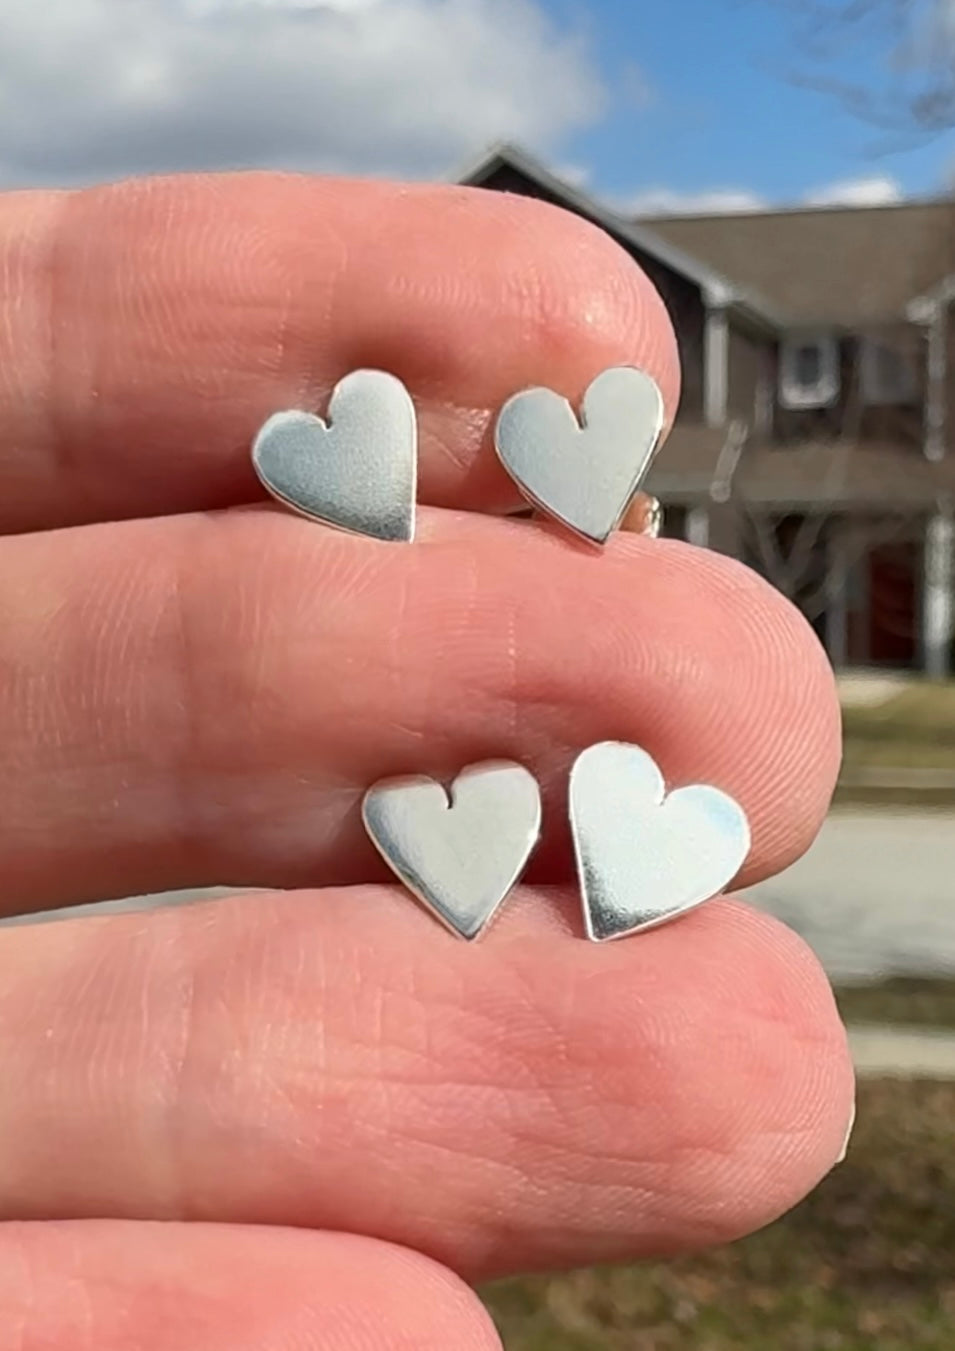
(866, 1264)
(923, 711)
(908, 1000)
(913, 730)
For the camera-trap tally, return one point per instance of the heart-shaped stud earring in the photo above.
(461, 852)
(643, 857)
(583, 475)
(357, 471)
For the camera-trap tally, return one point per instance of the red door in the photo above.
(893, 604)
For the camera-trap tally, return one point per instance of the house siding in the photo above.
(853, 472)
(751, 361)
(901, 423)
(852, 418)
(685, 306)
(948, 430)
(725, 532)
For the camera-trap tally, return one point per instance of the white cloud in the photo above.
(707, 202)
(870, 190)
(95, 89)
(574, 175)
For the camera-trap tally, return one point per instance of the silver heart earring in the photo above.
(585, 474)
(460, 852)
(645, 858)
(357, 471)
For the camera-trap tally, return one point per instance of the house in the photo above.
(816, 433)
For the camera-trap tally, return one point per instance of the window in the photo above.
(809, 371)
(887, 373)
(807, 365)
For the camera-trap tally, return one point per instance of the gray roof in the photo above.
(716, 287)
(848, 267)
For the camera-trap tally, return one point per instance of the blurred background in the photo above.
(785, 172)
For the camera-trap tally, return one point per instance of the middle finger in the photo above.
(252, 674)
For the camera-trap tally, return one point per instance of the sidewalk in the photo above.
(874, 896)
(904, 1053)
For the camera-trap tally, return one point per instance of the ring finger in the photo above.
(203, 700)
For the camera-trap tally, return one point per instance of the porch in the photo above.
(859, 536)
(877, 587)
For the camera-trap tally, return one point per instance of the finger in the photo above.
(252, 674)
(101, 1286)
(337, 1060)
(151, 327)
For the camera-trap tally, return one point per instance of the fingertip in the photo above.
(800, 1066)
(595, 306)
(746, 1081)
(758, 699)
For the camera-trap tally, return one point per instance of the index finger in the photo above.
(150, 327)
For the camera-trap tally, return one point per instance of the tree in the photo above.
(892, 62)
(809, 555)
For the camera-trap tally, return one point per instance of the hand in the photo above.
(346, 1104)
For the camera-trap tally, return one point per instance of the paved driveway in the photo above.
(874, 896)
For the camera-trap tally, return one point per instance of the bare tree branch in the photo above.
(906, 46)
(799, 571)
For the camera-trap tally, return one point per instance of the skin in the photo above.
(341, 1113)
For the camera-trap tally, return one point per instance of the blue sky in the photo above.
(719, 113)
(672, 103)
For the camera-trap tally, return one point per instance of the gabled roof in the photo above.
(849, 267)
(716, 287)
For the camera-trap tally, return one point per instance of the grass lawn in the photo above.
(912, 730)
(912, 799)
(903, 999)
(889, 754)
(922, 711)
(866, 1264)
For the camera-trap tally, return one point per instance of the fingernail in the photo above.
(845, 1147)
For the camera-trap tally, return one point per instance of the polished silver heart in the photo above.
(584, 475)
(643, 857)
(459, 852)
(357, 471)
